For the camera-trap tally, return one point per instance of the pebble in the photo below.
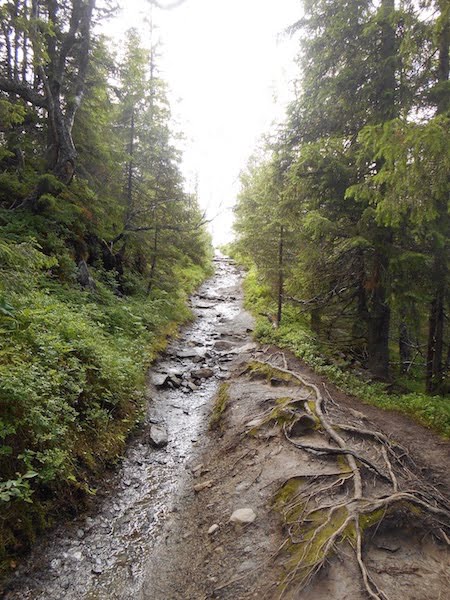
(202, 486)
(243, 515)
(97, 569)
(158, 436)
(55, 564)
(213, 529)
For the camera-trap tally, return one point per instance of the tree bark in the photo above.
(49, 90)
(280, 276)
(378, 324)
(434, 366)
(404, 344)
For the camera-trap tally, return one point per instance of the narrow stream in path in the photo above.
(105, 554)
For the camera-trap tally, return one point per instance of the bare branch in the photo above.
(13, 86)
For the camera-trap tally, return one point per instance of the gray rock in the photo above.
(195, 353)
(245, 348)
(159, 379)
(158, 436)
(202, 373)
(97, 569)
(174, 381)
(84, 277)
(223, 345)
(243, 516)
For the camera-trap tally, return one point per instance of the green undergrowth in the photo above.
(295, 335)
(72, 377)
(220, 405)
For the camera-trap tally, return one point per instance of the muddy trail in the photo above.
(298, 491)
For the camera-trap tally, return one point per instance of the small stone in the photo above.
(159, 379)
(175, 381)
(158, 436)
(241, 487)
(80, 534)
(251, 347)
(223, 345)
(202, 373)
(213, 529)
(97, 569)
(78, 556)
(65, 584)
(55, 564)
(243, 515)
(202, 486)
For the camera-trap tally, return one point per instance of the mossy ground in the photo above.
(220, 405)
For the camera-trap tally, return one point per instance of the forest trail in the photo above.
(161, 526)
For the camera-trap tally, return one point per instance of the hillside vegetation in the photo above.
(343, 213)
(100, 246)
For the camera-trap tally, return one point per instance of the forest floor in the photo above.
(342, 500)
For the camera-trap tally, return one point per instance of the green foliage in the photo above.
(94, 276)
(295, 335)
(72, 375)
(358, 176)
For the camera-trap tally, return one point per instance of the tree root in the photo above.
(322, 512)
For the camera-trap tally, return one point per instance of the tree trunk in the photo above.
(404, 344)
(316, 321)
(378, 320)
(434, 366)
(280, 276)
(65, 52)
(379, 313)
(154, 260)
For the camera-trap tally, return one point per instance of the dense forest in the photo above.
(344, 210)
(342, 222)
(100, 245)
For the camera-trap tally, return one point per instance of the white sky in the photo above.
(229, 71)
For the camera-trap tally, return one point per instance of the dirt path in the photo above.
(162, 530)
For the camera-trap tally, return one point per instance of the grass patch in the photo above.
(220, 405)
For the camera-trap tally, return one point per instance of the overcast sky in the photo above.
(229, 67)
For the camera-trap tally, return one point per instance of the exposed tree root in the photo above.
(322, 512)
